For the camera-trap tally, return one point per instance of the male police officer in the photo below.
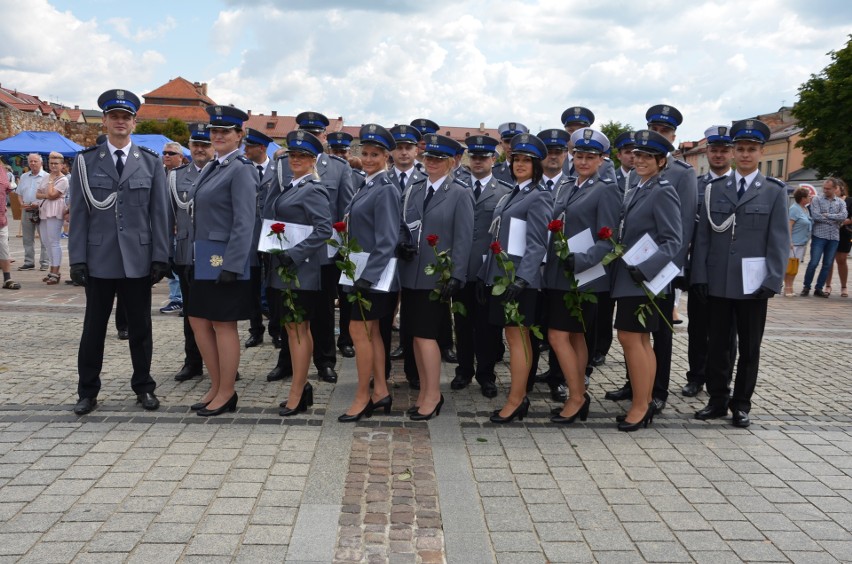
(424, 126)
(578, 117)
(743, 227)
(507, 131)
(119, 245)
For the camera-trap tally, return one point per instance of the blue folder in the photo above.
(209, 258)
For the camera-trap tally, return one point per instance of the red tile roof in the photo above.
(278, 127)
(181, 89)
(188, 114)
(24, 102)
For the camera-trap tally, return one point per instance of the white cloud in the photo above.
(122, 27)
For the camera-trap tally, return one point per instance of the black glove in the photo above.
(173, 269)
(514, 289)
(158, 271)
(636, 274)
(699, 292)
(226, 277)
(763, 293)
(80, 273)
(406, 251)
(284, 259)
(481, 292)
(679, 283)
(450, 289)
(568, 263)
(363, 285)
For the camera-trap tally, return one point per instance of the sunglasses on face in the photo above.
(170, 153)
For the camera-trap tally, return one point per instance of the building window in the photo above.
(780, 171)
(768, 171)
(760, 167)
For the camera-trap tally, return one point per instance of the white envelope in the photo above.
(661, 280)
(294, 233)
(360, 260)
(640, 251)
(754, 273)
(580, 243)
(517, 237)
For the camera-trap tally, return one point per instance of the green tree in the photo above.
(149, 126)
(613, 129)
(173, 128)
(824, 111)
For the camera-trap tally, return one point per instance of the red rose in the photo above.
(555, 226)
(340, 226)
(496, 248)
(277, 227)
(432, 240)
(605, 233)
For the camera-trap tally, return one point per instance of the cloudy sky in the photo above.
(458, 63)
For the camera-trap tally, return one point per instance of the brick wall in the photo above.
(14, 121)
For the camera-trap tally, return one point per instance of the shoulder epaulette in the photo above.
(180, 167)
(386, 180)
(683, 163)
(722, 178)
(360, 172)
(461, 182)
(504, 183)
(606, 180)
(776, 181)
(87, 149)
(243, 159)
(418, 181)
(147, 150)
(335, 157)
(664, 182)
(607, 159)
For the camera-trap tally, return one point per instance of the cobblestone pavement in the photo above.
(124, 484)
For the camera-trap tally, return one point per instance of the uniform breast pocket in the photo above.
(101, 187)
(140, 191)
(720, 211)
(756, 216)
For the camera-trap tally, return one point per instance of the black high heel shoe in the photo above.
(366, 412)
(199, 405)
(582, 413)
(417, 416)
(306, 401)
(412, 410)
(384, 403)
(230, 405)
(628, 427)
(520, 413)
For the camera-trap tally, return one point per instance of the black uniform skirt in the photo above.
(526, 306)
(562, 319)
(220, 302)
(382, 305)
(625, 315)
(424, 318)
(306, 299)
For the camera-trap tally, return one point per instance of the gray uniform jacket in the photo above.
(596, 204)
(224, 203)
(180, 223)
(761, 229)
(682, 176)
(336, 175)
(416, 176)
(533, 204)
(123, 240)
(483, 213)
(262, 190)
(306, 204)
(621, 179)
(373, 220)
(450, 217)
(502, 172)
(653, 209)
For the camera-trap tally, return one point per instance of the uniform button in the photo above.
(121, 228)
(119, 188)
(120, 201)
(121, 215)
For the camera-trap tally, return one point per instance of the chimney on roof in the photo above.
(76, 107)
(482, 127)
(249, 112)
(274, 113)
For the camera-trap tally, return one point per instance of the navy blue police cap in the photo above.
(718, 135)
(651, 142)
(530, 145)
(425, 126)
(511, 128)
(227, 117)
(440, 146)
(255, 137)
(374, 134)
(626, 139)
(198, 133)
(588, 140)
(750, 130)
(312, 121)
(405, 134)
(578, 114)
(303, 142)
(481, 145)
(119, 99)
(339, 140)
(555, 138)
(663, 114)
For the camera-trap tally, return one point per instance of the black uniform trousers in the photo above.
(135, 293)
(699, 339)
(120, 315)
(256, 318)
(345, 311)
(663, 347)
(192, 356)
(477, 341)
(322, 325)
(749, 317)
(603, 325)
(275, 301)
(556, 377)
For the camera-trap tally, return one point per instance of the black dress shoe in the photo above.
(327, 374)
(85, 405)
(627, 427)
(559, 393)
(489, 389)
(659, 405)
(460, 382)
(520, 412)
(123, 334)
(276, 341)
(348, 351)
(253, 341)
(582, 413)
(199, 405)
(543, 377)
(598, 359)
(691, 389)
(278, 373)
(384, 404)
(449, 356)
(417, 416)
(230, 405)
(305, 401)
(397, 353)
(188, 372)
(622, 393)
(711, 411)
(741, 419)
(366, 412)
(148, 400)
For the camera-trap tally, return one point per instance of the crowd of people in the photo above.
(550, 249)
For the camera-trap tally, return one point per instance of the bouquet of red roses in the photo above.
(345, 247)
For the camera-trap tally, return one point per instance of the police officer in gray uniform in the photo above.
(574, 118)
(180, 182)
(744, 216)
(424, 126)
(507, 131)
(476, 339)
(404, 172)
(624, 144)
(119, 245)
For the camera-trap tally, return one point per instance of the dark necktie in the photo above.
(260, 172)
(429, 194)
(742, 189)
(515, 191)
(477, 189)
(287, 188)
(550, 185)
(119, 164)
(402, 180)
(573, 191)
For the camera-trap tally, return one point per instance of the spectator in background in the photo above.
(51, 195)
(828, 212)
(845, 244)
(26, 190)
(5, 190)
(172, 159)
(801, 225)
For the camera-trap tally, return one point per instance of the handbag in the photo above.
(792, 266)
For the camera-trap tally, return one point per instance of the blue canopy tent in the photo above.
(270, 150)
(155, 142)
(42, 142)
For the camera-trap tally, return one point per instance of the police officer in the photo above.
(476, 339)
(624, 144)
(424, 126)
(507, 131)
(256, 144)
(577, 117)
(746, 217)
(119, 245)
(180, 183)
